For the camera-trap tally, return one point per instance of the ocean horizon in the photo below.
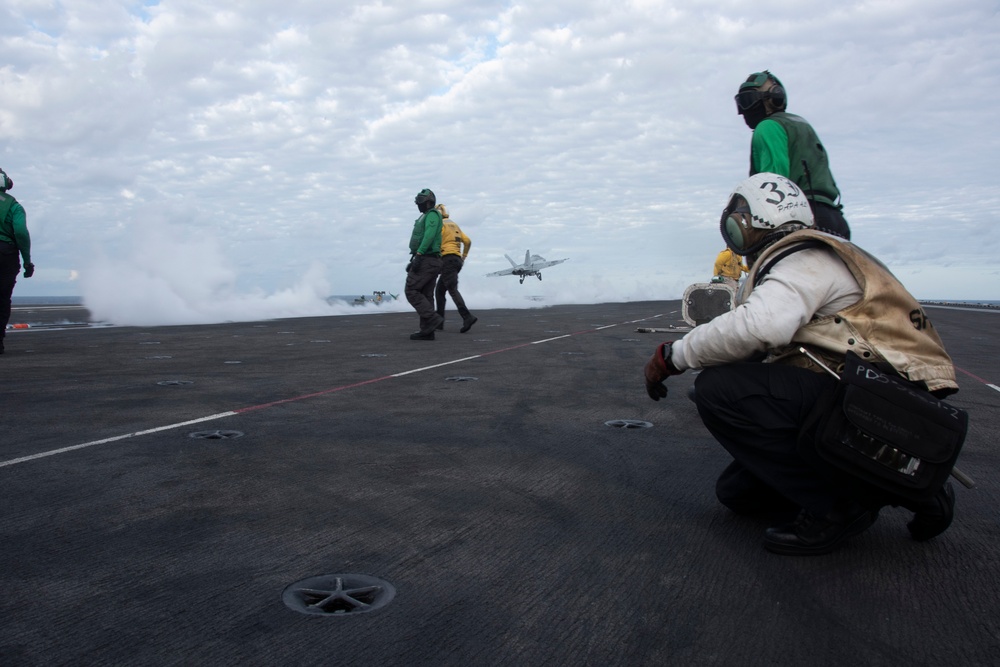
(349, 298)
(78, 300)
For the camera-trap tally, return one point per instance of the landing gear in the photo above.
(539, 276)
(522, 280)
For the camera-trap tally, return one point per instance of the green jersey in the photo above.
(426, 237)
(14, 227)
(785, 144)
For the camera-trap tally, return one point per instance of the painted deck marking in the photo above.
(325, 392)
(976, 377)
(136, 434)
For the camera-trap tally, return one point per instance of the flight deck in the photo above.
(325, 491)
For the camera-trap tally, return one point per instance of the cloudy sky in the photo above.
(193, 159)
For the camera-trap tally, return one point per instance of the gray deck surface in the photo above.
(515, 525)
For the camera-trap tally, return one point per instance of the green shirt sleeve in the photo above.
(21, 233)
(769, 149)
(14, 227)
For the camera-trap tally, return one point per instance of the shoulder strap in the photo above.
(805, 245)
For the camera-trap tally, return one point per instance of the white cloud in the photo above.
(604, 131)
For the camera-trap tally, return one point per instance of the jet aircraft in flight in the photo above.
(533, 265)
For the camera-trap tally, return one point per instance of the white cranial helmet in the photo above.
(766, 202)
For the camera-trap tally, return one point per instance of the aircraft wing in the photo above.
(504, 272)
(544, 265)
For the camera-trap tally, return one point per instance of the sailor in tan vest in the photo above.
(817, 291)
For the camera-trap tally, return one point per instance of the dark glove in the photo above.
(409, 265)
(415, 263)
(29, 270)
(658, 369)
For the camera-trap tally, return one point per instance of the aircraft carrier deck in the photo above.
(188, 495)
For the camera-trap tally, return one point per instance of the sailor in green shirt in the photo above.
(787, 145)
(425, 265)
(14, 240)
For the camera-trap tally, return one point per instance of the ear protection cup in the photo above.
(5, 181)
(777, 96)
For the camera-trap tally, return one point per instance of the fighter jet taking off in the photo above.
(533, 265)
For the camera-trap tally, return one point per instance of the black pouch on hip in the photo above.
(886, 431)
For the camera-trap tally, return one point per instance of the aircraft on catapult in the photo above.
(533, 265)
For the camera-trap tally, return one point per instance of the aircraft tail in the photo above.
(512, 262)
(527, 257)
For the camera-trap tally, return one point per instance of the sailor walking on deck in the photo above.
(425, 265)
(14, 240)
(455, 246)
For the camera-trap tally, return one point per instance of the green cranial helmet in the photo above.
(425, 200)
(5, 182)
(761, 88)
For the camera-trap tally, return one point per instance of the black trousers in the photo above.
(755, 411)
(419, 290)
(9, 266)
(451, 265)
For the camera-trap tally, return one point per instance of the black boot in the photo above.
(432, 326)
(933, 516)
(467, 322)
(440, 327)
(810, 535)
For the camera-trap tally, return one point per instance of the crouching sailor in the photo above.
(811, 300)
